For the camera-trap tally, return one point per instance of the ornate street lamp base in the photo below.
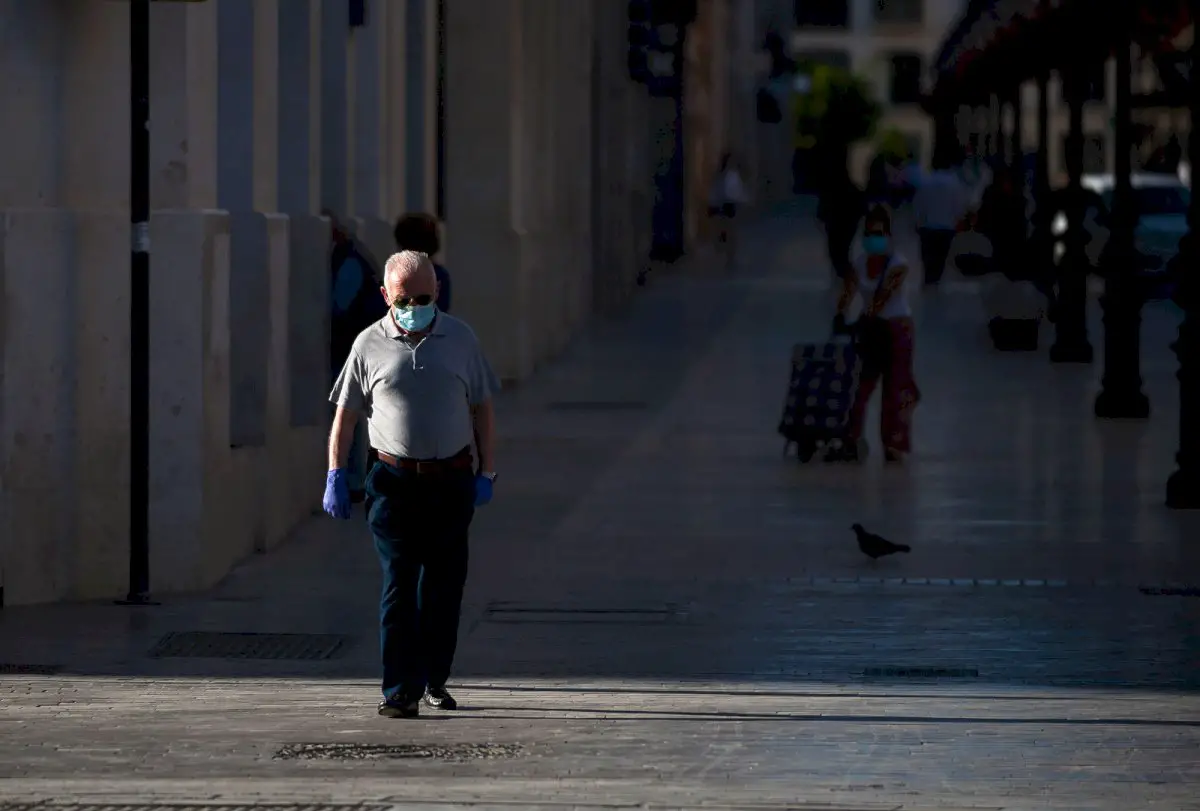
(1124, 404)
(1183, 489)
(1062, 352)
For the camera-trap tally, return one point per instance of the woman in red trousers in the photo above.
(884, 333)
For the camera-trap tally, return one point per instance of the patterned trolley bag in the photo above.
(821, 391)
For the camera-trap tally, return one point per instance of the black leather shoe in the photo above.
(439, 699)
(399, 708)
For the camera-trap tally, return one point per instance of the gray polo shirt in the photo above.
(416, 394)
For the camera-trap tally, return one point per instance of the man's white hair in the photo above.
(406, 265)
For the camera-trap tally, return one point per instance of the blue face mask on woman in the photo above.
(876, 244)
(416, 317)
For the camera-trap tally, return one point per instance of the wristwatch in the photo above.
(491, 477)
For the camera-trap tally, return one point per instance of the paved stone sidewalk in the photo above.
(663, 612)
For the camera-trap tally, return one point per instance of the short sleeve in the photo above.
(482, 382)
(349, 390)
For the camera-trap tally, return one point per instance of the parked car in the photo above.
(1162, 202)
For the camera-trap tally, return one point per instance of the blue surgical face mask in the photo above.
(876, 244)
(414, 318)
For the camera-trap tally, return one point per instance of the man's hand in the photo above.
(337, 494)
(483, 489)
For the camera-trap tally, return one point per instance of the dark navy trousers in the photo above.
(420, 522)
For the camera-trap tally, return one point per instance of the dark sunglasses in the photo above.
(404, 302)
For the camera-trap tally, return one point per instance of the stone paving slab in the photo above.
(698, 629)
(912, 747)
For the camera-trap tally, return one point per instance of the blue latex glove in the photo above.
(483, 490)
(337, 494)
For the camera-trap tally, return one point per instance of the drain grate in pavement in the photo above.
(517, 613)
(183, 806)
(596, 405)
(15, 669)
(921, 672)
(224, 645)
(457, 752)
(1170, 591)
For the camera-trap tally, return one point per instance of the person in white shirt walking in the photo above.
(727, 193)
(939, 206)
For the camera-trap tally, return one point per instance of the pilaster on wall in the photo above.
(371, 155)
(486, 124)
(183, 96)
(334, 32)
(64, 238)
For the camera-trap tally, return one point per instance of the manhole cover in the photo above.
(218, 645)
(596, 405)
(921, 672)
(60, 806)
(13, 669)
(1170, 591)
(399, 751)
(517, 613)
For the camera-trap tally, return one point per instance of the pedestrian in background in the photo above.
(354, 305)
(939, 207)
(727, 193)
(840, 208)
(421, 380)
(420, 232)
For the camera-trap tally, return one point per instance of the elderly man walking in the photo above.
(421, 380)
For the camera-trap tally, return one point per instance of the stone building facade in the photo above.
(532, 145)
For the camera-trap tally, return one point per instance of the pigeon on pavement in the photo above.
(874, 546)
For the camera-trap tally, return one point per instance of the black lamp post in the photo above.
(1071, 344)
(1183, 487)
(1121, 395)
(139, 311)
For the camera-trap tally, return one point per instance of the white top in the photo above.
(897, 306)
(941, 201)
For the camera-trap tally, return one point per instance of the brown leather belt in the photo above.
(459, 461)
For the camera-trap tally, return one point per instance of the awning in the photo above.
(997, 44)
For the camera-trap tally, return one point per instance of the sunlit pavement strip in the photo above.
(620, 742)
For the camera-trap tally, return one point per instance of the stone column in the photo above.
(418, 87)
(582, 126)
(64, 238)
(334, 32)
(37, 389)
(1183, 487)
(537, 83)
(486, 120)
(249, 252)
(307, 272)
(395, 123)
(183, 94)
(191, 525)
(371, 157)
